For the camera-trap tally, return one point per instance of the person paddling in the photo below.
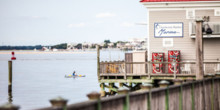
(74, 73)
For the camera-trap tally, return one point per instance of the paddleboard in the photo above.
(71, 76)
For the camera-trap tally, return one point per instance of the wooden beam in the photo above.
(199, 50)
(98, 62)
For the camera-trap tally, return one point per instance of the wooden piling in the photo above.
(102, 85)
(177, 81)
(146, 86)
(9, 76)
(9, 106)
(94, 95)
(163, 83)
(199, 50)
(98, 61)
(59, 103)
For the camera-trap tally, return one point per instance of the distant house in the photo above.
(138, 43)
(110, 45)
(45, 49)
(71, 46)
(171, 26)
(120, 45)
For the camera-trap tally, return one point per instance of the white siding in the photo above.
(186, 44)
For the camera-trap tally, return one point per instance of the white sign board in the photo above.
(173, 29)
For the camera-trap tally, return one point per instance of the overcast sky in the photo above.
(49, 22)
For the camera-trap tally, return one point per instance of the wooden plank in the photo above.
(174, 98)
(91, 107)
(198, 96)
(87, 105)
(138, 102)
(113, 104)
(162, 99)
(187, 100)
(154, 101)
(216, 94)
(208, 95)
(158, 100)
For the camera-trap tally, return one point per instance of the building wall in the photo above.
(139, 56)
(185, 44)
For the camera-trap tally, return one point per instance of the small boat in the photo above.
(71, 76)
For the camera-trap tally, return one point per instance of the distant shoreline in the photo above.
(44, 52)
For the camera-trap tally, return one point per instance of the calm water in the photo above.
(40, 77)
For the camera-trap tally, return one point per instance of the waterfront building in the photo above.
(171, 26)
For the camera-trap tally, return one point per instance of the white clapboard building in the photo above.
(171, 26)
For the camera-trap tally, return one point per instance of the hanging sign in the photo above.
(170, 29)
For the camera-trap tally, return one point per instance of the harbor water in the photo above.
(39, 76)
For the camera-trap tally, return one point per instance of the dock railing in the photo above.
(194, 95)
(169, 69)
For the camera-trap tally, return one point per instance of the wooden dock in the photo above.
(115, 73)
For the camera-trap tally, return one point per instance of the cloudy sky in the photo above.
(49, 22)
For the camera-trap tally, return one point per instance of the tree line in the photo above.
(58, 46)
(38, 47)
(20, 47)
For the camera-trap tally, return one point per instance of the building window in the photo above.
(215, 27)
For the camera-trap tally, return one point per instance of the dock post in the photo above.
(102, 85)
(199, 50)
(59, 103)
(98, 61)
(164, 83)
(146, 86)
(95, 96)
(9, 106)
(177, 81)
(10, 79)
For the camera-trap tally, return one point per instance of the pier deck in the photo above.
(126, 72)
